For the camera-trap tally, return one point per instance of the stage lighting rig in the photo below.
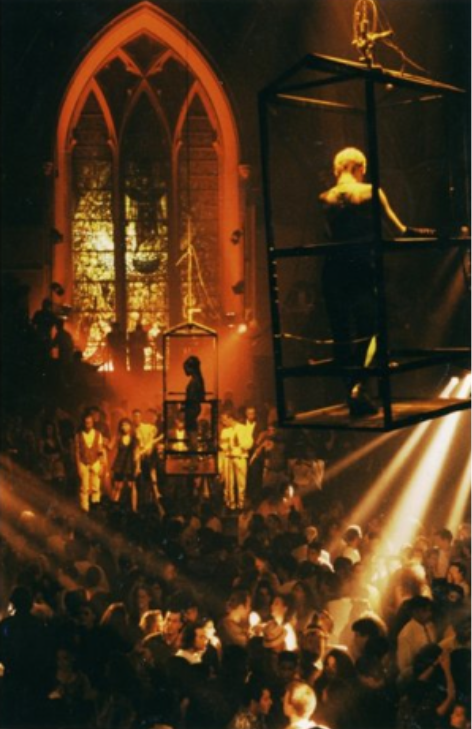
(364, 30)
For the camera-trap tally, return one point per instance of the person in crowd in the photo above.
(348, 276)
(253, 428)
(256, 705)
(126, 463)
(419, 631)
(63, 343)
(169, 642)
(235, 443)
(26, 656)
(457, 575)
(137, 343)
(151, 623)
(299, 704)
(194, 397)
(52, 455)
(44, 320)
(147, 437)
(116, 348)
(89, 455)
(194, 642)
(443, 539)
(233, 629)
(353, 541)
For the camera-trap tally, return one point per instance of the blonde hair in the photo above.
(301, 698)
(348, 160)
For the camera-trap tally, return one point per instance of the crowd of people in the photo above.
(244, 599)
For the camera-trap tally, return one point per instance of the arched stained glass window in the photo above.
(147, 161)
(94, 299)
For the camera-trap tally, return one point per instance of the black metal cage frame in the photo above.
(292, 89)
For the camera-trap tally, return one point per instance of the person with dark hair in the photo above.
(194, 396)
(256, 704)
(353, 540)
(116, 347)
(418, 632)
(442, 539)
(194, 642)
(71, 701)
(282, 609)
(365, 628)
(233, 629)
(457, 575)
(430, 693)
(52, 455)
(125, 465)
(27, 660)
(460, 716)
(137, 343)
(167, 644)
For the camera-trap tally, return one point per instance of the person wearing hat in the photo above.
(273, 643)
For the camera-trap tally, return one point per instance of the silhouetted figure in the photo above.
(64, 344)
(116, 346)
(24, 652)
(43, 321)
(194, 396)
(137, 343)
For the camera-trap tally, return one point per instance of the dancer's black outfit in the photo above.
(194, 396)
(348, 280)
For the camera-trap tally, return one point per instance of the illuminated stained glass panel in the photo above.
(124, 249)
(145, 182)
(92, 232)
(198, 171)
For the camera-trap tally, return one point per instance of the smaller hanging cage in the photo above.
(190, 425)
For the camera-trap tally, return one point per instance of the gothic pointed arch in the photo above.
(147, 158)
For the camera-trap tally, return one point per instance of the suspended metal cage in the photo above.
(190, 453)
(413, 130)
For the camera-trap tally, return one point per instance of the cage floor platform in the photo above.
(404, 412)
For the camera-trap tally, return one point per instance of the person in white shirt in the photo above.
(89, 456)
(147, 436)
(418, 632)
(235, 444)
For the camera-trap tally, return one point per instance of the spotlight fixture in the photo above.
(242, 328)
